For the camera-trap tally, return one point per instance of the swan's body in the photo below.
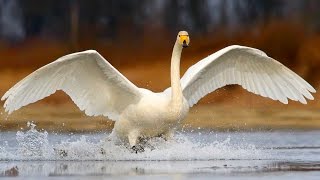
(152, 116)
(98, 88)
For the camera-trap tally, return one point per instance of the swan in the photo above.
(97, 88)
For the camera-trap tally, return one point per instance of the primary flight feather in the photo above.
(97, 88)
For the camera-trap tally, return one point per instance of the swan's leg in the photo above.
(109, 138)
(133, 138)
(167, 135)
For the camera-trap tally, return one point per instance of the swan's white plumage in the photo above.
(248, 67)
(93, 84)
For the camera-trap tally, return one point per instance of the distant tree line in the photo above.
(20, 19)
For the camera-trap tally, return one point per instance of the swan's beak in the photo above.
(185, 45)
(184, 40)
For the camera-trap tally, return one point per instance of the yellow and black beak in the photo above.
(184, 40)
(185, 44)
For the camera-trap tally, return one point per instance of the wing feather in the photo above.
(93, 84)
(248, 67)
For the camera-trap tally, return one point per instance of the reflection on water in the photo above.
(298, 166)
(117, 168)
(239, 155)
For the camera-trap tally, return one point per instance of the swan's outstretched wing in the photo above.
(248, 67)
(94, 85)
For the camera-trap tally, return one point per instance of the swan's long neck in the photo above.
(176, 95)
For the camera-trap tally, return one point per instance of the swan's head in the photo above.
(183, 38)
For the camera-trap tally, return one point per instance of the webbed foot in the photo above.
(61, 152)
(137, 148)
(102, 151)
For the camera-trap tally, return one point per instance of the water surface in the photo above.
(190, 155)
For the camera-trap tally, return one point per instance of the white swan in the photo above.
(97, 88)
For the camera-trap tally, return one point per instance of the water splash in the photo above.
(35, 145)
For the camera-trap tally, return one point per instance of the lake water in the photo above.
(190, 155)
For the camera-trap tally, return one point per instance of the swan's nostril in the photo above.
(184, 44)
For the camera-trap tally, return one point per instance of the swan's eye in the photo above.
(179, 35)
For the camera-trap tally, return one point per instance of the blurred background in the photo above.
(137, 36)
